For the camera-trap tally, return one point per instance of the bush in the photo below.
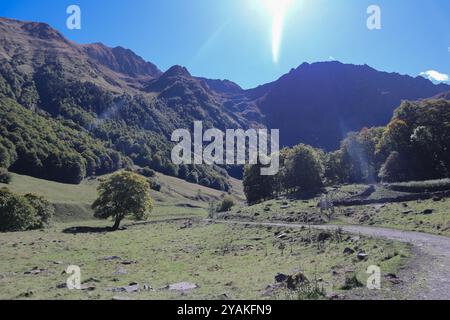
(21, 213)
(393, 170)
(226, 205)
(44, 210)
(147, 172)
(155, 185)
(5, 176)
(16, 213)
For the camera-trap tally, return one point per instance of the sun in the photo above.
(278, 10)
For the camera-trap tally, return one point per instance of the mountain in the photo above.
(319, 103)
(125, 109)
(111, 94)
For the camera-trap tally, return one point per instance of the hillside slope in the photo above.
(72, 202)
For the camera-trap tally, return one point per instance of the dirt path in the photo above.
(427, 277)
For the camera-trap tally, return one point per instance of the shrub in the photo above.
(16, 212)
(5, 176)
(155, 185)
(147, 172)
(44, 210)
(226, 205)
(21, 213)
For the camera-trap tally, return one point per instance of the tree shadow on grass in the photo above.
(85, 230)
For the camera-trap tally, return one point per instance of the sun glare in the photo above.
(278, 10)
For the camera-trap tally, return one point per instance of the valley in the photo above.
(360, 197)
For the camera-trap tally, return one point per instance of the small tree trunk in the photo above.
(116, 224)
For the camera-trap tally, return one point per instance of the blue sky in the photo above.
(233, 39)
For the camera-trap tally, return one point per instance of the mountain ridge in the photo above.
(132, 106)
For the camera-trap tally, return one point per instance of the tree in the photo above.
(256, 186)
(123, 194)
(226, 205)
(394, 169)
(304, 170)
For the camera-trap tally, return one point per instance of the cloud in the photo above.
(331, 58)
(435, 76)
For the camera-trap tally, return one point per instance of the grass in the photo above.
(404, 216)
(224, 261)
(410, 216)
(177, 198)
(421, 186)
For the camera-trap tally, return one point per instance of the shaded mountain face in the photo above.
(320, 103)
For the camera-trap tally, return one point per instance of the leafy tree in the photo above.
(256, 186)
(304, 170)
(121, 195)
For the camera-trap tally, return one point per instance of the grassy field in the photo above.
(430, 216)
(177, 198)
(223, 261)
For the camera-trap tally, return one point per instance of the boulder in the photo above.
(182, 286)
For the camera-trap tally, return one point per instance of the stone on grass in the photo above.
(182, 286)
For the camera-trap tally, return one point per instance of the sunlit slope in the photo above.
(177, 198)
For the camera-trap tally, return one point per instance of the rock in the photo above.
(131, 288)
(285, 207)
(257, 214)
(355, 239)
(27, 294)
(335, 296)
(349, 251)
(407, 212)
(120, 272)
(223, 297)
(88, 287)
(182, 286)
(437, 199)
(128, 262)
(282, 236)
(428, 211)
(362, 256)
(120, 298)
(146, 287)
(58, 262)
(281, 278)
(35, 271)
(324, 236)
(296, 280)
(393, 278)
(112, 258)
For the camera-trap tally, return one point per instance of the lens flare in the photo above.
(278, 9)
